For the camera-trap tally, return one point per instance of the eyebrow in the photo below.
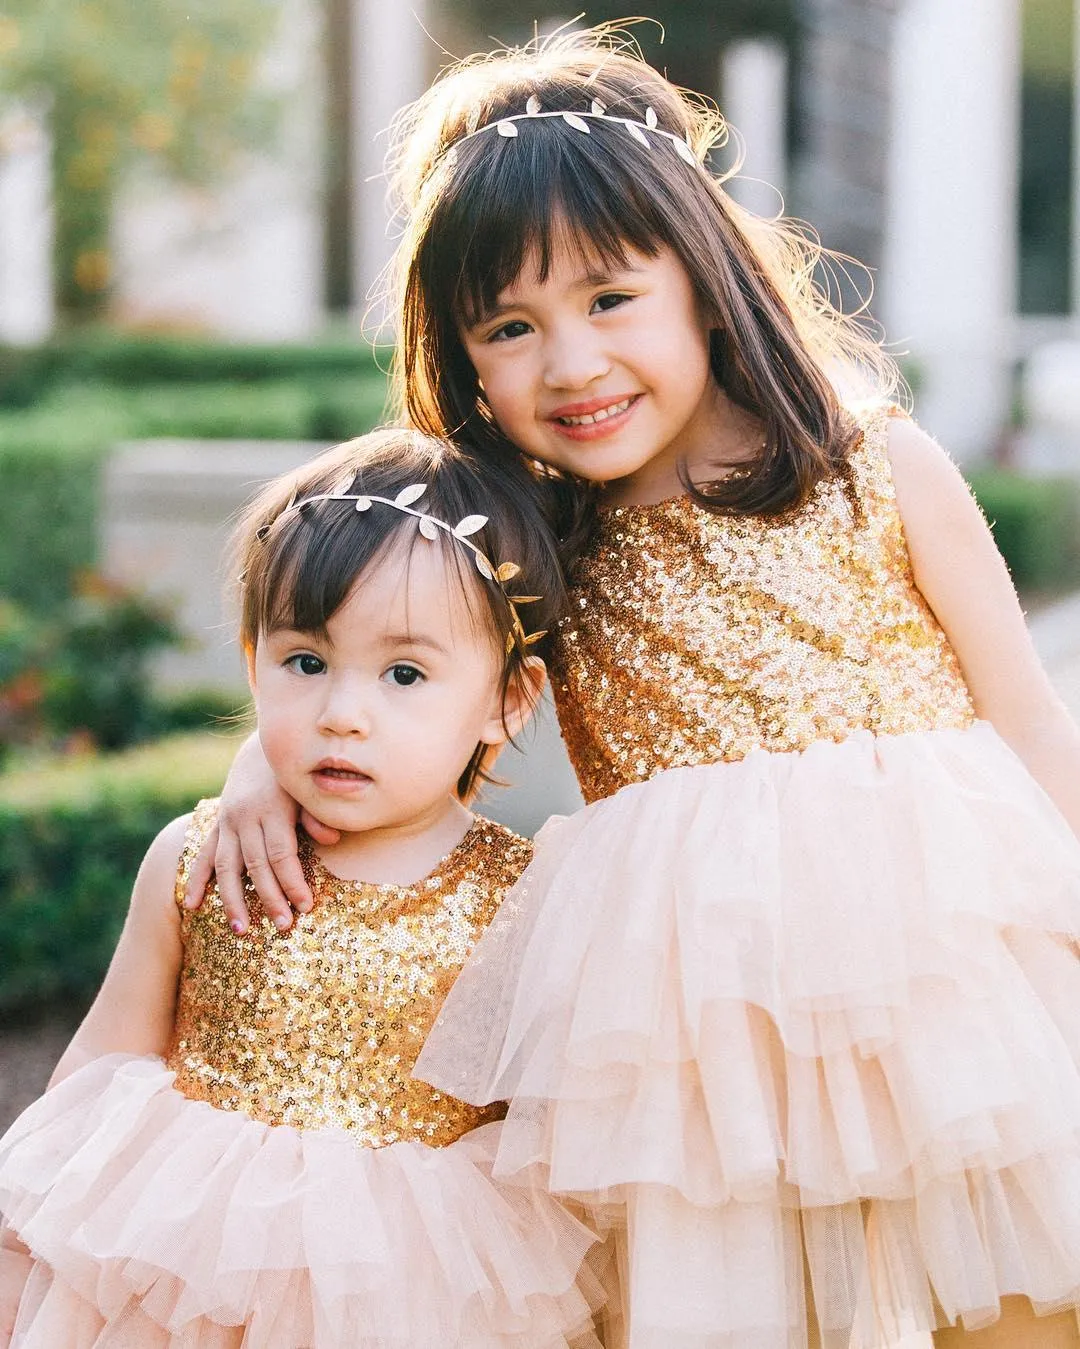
(414, 639)
(583, 281)
(388, 639)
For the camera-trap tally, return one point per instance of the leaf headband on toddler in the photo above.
(429, 527)
(639, 130)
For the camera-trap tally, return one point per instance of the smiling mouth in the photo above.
(600, 415)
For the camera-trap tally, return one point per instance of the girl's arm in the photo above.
(133, 1012)
(965, 581)
(256, 833)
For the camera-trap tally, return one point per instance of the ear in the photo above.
(517, 707)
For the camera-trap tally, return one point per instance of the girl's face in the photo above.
(604, 374)
(370, 726)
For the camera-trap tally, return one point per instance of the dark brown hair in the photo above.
(477, 206)
(298, 562)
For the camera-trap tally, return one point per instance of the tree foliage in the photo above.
(175, 81)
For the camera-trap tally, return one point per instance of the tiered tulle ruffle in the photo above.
(156, 1220)
(804, 1012)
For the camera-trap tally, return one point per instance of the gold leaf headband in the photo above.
(640, 131)
(429, 526)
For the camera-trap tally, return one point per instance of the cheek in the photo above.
(277, 735)
(280, 715)
(503, 397)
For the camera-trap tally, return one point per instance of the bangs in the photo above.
(315, 560)
(311, 575)
(508, 204)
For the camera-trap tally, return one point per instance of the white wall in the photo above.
(753, 99)
(244, 258)
(392, 58)
(948, 282)
(26, 292)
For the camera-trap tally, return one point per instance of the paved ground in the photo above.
(27, 1057)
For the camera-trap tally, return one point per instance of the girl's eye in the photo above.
(404, 676)
(508, 331)
(611, 300)
(306, 664)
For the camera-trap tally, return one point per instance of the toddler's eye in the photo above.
(611, 300)
(306, 664)
(404, 676)
(515, 328)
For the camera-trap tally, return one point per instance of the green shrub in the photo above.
(95, 680)
(51, 455)
(72, 835)
(1036, 523)
(49, 509)
(99, 356)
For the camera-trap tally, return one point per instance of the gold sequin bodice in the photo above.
(694, 637)
(319, 1027)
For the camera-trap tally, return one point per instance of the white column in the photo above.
(26, 286)
(753, 98)
(947, 290)
(391, 52)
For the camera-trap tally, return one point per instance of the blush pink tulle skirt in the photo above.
(800, 1028)
(158, 1221)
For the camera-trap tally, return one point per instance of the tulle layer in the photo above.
(804, 1013)
(154, 1220)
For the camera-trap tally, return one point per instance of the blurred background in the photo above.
(192, 221)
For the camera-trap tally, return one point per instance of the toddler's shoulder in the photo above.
(504, 855)
(187, 834)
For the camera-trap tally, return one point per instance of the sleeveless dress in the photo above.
(794, 1002)
(281, 1180)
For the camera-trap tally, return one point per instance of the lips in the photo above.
(595, 418)
(336, 775)
(592, 411)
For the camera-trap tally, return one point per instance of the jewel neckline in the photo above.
(677, 499)
(609, 510)
(391, 889)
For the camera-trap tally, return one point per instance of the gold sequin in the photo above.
(319, 1027)
(695, 637)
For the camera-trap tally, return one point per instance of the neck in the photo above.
(723, 437)
(399, 854)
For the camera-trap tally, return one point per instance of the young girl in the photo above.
(233, 1150)
(794, 1003)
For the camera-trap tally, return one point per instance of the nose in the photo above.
(345, 710)
(574, 357)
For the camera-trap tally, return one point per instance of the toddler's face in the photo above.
(602, 373)
(370, 726)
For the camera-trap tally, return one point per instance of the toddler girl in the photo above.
(233, 1150)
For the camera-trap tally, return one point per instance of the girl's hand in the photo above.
(256, 833)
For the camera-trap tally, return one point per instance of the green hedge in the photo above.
(98, 356)
(72, 835)
(51, 454)
(1036, 523)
